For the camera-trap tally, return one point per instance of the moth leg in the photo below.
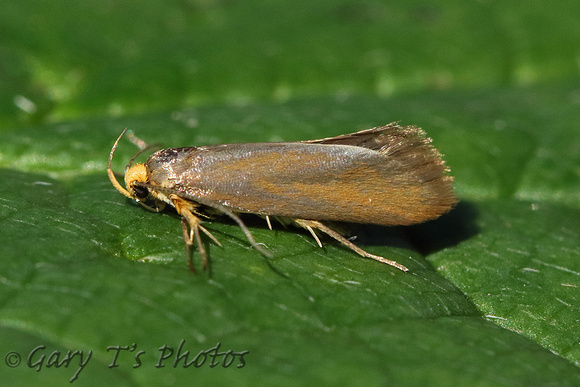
(188, 236)
(189, 220)
(311, 225)
(268, 221)
(210, 235)
(159, 206)
(313, 233)
(245, 230)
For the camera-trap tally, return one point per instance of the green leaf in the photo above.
(492, 294)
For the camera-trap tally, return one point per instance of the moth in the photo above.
(389, 175)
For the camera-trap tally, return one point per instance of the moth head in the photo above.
(135, 177)
(136, 181)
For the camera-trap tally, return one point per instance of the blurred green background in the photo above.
(492, 297)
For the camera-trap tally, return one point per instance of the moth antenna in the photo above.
(142, 145)
(112, 177)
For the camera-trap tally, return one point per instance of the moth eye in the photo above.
(140, 192)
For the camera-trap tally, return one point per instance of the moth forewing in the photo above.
(389, 176)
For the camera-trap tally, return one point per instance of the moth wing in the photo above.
(408, 149)
(380, 138)
(405, 145)
(389, 175)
